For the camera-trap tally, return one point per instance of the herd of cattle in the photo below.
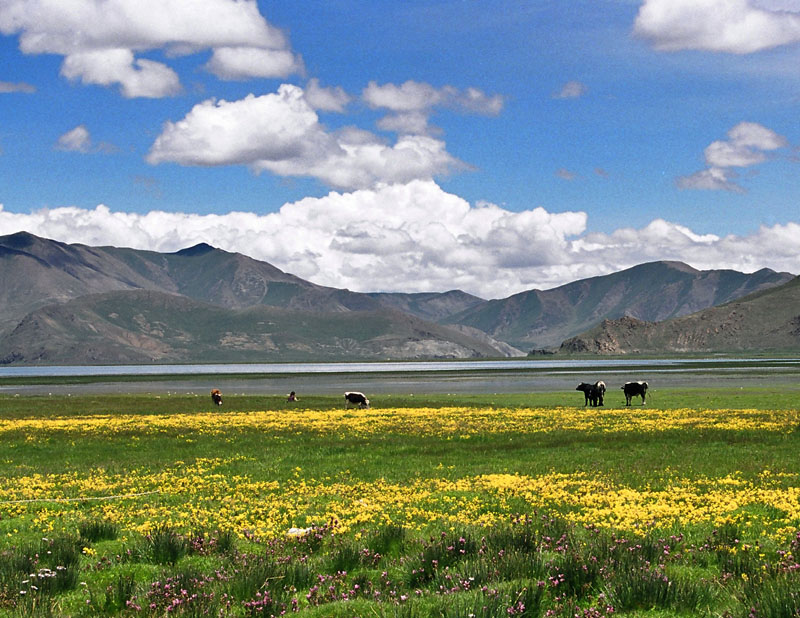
(594, 394)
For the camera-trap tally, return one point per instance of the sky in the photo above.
(492, 146)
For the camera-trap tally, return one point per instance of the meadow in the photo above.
(461, 505)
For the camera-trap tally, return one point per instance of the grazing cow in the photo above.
(216, 397)
(355, 398)
(593, 393)
(634, 389)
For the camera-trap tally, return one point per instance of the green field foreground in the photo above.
(482, 505)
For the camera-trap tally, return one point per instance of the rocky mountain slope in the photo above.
(761, 322)
(143, 326)
(651, 292)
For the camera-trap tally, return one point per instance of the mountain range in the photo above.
(76, 304)
(764, 321)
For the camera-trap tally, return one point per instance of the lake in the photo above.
(478, 376)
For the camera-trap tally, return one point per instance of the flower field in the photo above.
(400, 511)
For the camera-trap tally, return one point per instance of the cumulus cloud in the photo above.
(417, 237)
(417, 96)
(239, 63)
(732, 26)
(412, 102)
(100, 39)
(7, 87)
(332, 99)
(80, 140)
(748, 144)
(571, 90)
(136, 77)
(281, 133)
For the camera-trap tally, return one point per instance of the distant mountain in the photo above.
(55, 299)
(766, 321)
(143, 326)
(35, 272)
(652, 292)
(67, 303)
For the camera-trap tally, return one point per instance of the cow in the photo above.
(634, 389)
(593, 393)
(355, 398)
(601, 391)
(216, 396)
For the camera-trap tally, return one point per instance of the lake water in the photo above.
(502, 376)
(379, 367)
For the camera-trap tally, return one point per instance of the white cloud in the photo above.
(100, 39)
(564, 174)
(7, 87)
(711, 179)
(747, 145)
(418, 96)
(412, 102)
(80, 140)
(281, 133)
(333, 99)
(732, 26)
(136, 77)
(417, 237)
(409, 123)
(477, 102)
(238, 63)
(571, 90)
(76, 140)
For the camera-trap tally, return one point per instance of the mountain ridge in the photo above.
(39, 275)
(652, 291)
(764, 321)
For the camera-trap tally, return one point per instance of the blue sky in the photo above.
(488, 146)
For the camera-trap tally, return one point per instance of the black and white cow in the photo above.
(216, 397)
(634, 389)
(355, 398)
(593, 393)
(601, 391)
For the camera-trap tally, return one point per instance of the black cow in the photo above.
(355, 398)
(216, 397)
(634, 389)
(593, 393)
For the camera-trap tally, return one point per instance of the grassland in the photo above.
(485, 505)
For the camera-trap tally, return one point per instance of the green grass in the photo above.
(539, 563)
